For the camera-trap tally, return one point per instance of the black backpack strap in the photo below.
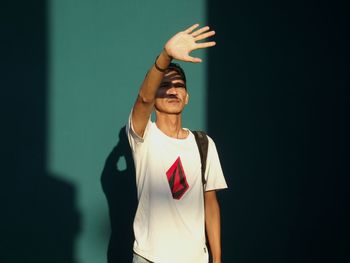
(202, 143)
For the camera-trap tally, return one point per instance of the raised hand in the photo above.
(183, 43)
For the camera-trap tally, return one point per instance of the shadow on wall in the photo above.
(119, 186)
(39, 220)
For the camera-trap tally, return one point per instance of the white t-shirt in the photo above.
(169, 221)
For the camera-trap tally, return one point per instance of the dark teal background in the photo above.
(39, 219)
(277, 107)
(278, 99)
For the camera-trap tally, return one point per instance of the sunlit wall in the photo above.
(99, 52)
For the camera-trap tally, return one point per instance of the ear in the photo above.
(187, 98)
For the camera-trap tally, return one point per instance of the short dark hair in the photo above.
(176, 67)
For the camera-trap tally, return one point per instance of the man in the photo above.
(173, 209)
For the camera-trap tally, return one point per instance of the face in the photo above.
(172, 95)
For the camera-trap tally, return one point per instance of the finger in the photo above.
(205, 35)
(191, 28)
(200, 31)
(205, 45)
(192, 59)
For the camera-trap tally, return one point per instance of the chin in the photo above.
(173, 112)
(170, 110)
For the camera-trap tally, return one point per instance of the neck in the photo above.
(171, 125)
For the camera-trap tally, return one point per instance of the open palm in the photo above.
(183, 43)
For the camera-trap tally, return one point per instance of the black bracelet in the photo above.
(157, 67)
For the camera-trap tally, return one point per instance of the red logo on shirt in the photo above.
(177, 179)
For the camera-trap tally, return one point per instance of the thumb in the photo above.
(193, 59)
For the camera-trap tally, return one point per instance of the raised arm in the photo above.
(178, 47)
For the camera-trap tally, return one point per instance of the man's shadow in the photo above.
(119, 185)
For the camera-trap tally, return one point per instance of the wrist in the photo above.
(162, 61)
(166, 55)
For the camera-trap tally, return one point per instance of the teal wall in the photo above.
(99, 52)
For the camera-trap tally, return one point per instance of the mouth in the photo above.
(173, 100)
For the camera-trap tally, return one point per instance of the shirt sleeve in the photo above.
(135, 140)
(214, 176)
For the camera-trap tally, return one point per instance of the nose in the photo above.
(172, 90)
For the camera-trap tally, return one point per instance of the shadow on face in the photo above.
(171, 85)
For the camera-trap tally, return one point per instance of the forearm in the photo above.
(153, 78)
(145, 101)
(213, 228)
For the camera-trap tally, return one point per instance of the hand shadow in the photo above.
(119, 186)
